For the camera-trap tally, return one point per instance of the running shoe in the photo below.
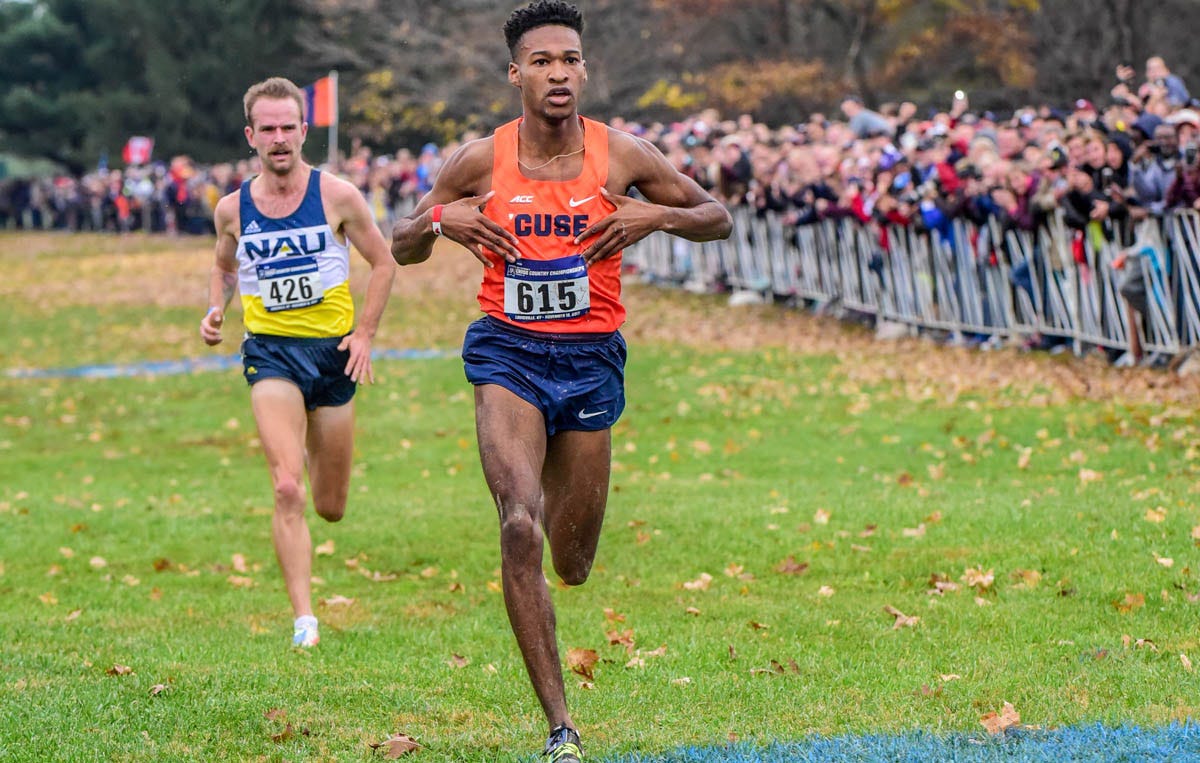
(563, 746)
(305, 633)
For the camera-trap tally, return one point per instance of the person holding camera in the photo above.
(1152, 169)
(1185, 189)
(1162, 90)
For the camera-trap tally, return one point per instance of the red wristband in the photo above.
(435, 214)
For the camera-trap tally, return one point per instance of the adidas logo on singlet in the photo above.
(252, 227)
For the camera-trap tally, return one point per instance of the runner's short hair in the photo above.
(274, 87)
(540, 13)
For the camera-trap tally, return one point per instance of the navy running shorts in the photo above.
(577, 381)
(315, 365)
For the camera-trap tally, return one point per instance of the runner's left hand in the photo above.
(629, 223)
(358, 368)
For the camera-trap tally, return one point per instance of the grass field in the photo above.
(808, 534)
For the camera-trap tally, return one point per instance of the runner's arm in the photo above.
(222, 280)
(362, 232)
(459, 189)
(674, 202)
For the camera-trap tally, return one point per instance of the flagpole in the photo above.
(333, 123)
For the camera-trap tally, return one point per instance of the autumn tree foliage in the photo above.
(79, 75)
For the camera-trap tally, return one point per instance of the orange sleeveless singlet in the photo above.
(550, 289)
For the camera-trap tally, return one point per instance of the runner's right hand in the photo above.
(210, 326)
(464, 222)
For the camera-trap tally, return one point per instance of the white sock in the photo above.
(306, 621)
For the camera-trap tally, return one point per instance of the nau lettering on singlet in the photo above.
(289, 276)
(285, 244)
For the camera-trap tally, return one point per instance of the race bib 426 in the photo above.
(290, 283)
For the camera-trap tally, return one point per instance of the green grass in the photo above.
(726, 463)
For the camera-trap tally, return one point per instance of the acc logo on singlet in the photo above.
(526, 224)
(284, 244)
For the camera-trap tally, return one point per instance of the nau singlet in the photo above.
(293, 273)
(550, 288)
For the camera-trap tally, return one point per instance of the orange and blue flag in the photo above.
(320, 103)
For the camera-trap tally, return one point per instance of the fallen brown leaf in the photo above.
(902, 620)
(396, 745)
(701, 583)
(1131, 603)
(790, 566)
(996, 723)
(582, 661)
(119, 670)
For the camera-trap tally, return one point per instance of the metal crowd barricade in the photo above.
(984, 281)
(1185, 244)
(1150, 260)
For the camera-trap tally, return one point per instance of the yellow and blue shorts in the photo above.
(314, 364)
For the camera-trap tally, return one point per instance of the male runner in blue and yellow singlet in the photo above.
(283, 240)
(543, 205)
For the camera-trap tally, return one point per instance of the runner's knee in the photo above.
(331, 510)
(289, 494)
(520, 533)
(574, 571)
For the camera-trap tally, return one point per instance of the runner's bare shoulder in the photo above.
(468, 171)
(228, 213)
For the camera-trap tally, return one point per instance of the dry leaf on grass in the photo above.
(1131, 603)
(977, 578)
(997, 723)
(582, 661)
(701, 583)
(396, 745)
(902, 620)
(458, 661)
(790, 566)
(119, 670)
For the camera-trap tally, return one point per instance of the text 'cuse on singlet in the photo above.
(293, 273)
(550, 288)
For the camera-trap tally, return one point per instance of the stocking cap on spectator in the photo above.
(1146, 124)
(1184, 116)
(1083, 104)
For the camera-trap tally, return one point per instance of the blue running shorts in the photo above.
(577, 381)
(315, 365)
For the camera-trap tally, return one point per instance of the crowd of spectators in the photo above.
(1137, 156)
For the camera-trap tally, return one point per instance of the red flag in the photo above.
(320, 103)
(137, 150)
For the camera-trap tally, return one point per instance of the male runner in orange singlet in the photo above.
(542, 204)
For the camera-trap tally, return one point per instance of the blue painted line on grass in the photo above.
(186, 366)
(1178, 742)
